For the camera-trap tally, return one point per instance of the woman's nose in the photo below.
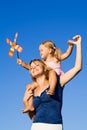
(34, 67)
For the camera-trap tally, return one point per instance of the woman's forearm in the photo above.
(78, 63)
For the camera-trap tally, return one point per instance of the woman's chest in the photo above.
(38, 91)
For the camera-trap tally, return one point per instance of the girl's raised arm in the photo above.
(23, 64)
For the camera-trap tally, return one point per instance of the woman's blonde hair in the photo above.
(46, 69)
(55, 51)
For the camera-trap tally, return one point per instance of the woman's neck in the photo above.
(42, 81)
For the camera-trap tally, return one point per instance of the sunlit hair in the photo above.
(55, 51)
(46, 69)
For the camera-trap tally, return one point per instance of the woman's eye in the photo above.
(30, 69)
(37, 64)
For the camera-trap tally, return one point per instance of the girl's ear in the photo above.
(50, 51)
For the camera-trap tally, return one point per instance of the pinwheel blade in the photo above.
(18, 48)
(11, 52)
(8, 41)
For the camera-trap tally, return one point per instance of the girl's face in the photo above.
(44, 51)
(36, 69)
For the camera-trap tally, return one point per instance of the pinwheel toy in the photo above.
(14, 46)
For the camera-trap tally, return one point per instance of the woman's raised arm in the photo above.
(78, 63)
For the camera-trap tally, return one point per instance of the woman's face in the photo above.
(36, 69)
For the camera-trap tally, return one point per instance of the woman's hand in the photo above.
(27, 95)
(76, 40)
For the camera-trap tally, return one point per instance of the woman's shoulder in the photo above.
(31, 85)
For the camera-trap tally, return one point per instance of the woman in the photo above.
(46, 112)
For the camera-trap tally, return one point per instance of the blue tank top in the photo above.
(48, 108)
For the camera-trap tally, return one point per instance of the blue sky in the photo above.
(37, 21)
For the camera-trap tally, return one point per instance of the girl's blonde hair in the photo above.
(55, 51)
(46, 69)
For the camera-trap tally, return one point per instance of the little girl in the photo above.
(52, 57)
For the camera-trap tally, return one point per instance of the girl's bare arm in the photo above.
(23, 64)
(67, 53)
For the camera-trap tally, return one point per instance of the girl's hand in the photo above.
(19, 61)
